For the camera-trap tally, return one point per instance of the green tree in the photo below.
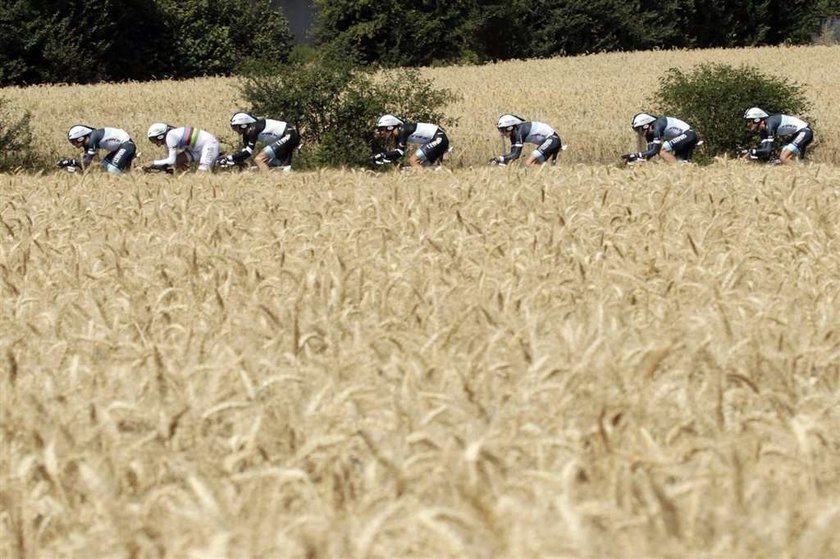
(726, 23)
(421, 32)
(88, 41)
(39, 45)
(216, 36)
(575, 27)
(395, 32)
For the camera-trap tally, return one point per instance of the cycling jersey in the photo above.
(109, 139)
(196, 143)
(537, 133)
(263, 130)
(667, 132)
(431, 138)
(782, 126)
(119, 145)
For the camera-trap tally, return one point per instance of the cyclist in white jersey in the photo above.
(192, 143)
(431, 138)
(670, 138)
(521, 132)
(770, 127)
(119, 145)
(280, 138)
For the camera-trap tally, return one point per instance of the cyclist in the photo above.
(280, 138)
(119, 145)
(521, 132)
(185, 145)
(431, 139)
(769, 127)
(670, 138)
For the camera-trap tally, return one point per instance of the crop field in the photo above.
(587, 361)
(589, 100)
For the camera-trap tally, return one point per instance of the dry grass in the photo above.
(589, 99)
(581, 362)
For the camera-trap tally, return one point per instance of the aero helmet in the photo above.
(78, 131)
(642, 119)
(158, 130)
(755, 114)
(388, 122)
(509, 121)
(242, 120)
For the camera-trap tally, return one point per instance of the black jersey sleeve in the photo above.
(768, 137)
(654, 138)
(517, 142)
(249, 141)
(92, 146)
(402, 141)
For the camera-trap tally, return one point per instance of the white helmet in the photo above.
(389, 122)
(242, 119)
(755, 114)
(157, 130)
(509, 121)
(78, 131)
(642, 119)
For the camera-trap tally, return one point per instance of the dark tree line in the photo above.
(83, 41)
(422, 32)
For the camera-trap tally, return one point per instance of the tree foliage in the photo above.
(422, 32)
(217, 36)
(713, 98)
(394, 32)
(86, 41)
(334, 102)
(48, 41)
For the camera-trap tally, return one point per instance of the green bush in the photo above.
(334, 103)
(713, 98)
(301, 54)
(15, 139)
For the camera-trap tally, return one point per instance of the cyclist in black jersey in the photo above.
(280, 138)
(668, 137)
(431, 138)
(119, 145)
(770, 127)
(521, 132)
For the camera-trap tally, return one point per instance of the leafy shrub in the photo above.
(713, 98)
(334, 102)
(301, 54)
(15, 139)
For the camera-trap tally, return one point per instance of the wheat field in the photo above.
(589, 100)
(586, 361)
